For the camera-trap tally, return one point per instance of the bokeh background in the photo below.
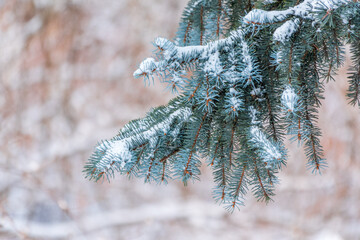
(66, 82)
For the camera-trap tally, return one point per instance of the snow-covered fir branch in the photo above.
(306, 10)
(245, 77)
(118, 152)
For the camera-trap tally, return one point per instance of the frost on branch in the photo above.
(117, 153)
(289, 99)
(285, 31)
(213, 65)
(234, 102)
(258, 16)
(239, 95)
(308, 9)
(147, 67)
(269, 151)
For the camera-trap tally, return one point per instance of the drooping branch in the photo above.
(238, 95)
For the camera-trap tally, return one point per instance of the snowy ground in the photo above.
(66, 82)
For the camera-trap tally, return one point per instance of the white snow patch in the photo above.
(269, 1)
(119, 151)
(212, 65)
(253, 113)
(182, 51)
(302, 10)
(247, 59)
(260, 139)
(262, 16)
(235, 103)
(285, 31)
(147, 67)
(166, 46)
(289, 98)
(256, 92)
(233, 91)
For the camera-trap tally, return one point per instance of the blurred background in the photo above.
(66, 82)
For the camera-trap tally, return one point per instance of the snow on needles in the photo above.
(289, 99)
(302, 10)
(307, 9)
(119, 151)
(147, 67)
(258, 16)
(285, 31)
(247, 59)
(213, 65)
(175, 56)
(273, 154)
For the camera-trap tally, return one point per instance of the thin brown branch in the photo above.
(260, 182)
(164, 159)
(151, 164)
(193, 94)
(163, 171)
(207, 91)
(271, 118)
(232, 144)
(216, 148)
(299, 128)
(317, 164)
(239, 186)
(270, 178)
(137, 161)
(223, 181)
(140, 146)
(194, 144)
(187, 32)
